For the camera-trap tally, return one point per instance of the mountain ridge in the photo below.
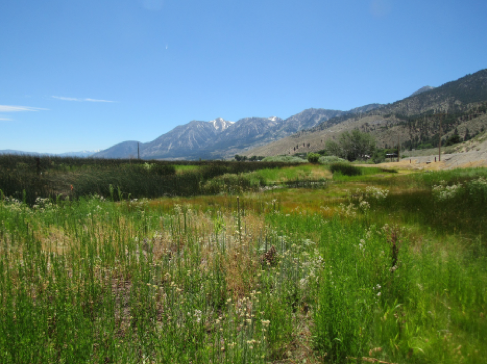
(223, 139)
(81, 154)
(422, 89)
(412, 121)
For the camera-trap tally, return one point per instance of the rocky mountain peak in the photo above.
(220, 124)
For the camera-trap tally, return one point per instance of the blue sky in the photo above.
(85, 75)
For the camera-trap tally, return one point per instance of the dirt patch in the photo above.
(448, 161)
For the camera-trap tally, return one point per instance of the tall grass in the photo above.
(251, 281)
(301, 172)
(27, 177)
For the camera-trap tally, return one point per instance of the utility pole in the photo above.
(439, 144)
(138, 150)
(398, 148)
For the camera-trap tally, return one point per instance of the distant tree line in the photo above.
(243, 158)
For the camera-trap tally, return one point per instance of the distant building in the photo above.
(391, 155)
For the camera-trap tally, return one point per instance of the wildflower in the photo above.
(443, 192)
(197, 314)
(376, 193)
(364, 206)
(346, 211)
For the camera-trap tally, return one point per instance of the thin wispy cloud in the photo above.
(11, 108)
(66, 98)
(94, 100)
(79, 99)
(5, 119)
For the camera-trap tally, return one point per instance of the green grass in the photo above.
(287, 174)
(183, 168)
(431, 178)
(359, 269)
(349, 172)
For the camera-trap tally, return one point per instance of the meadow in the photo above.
(374, 267)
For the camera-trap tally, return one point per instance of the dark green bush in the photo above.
(213, 170)
(153, 169)
(163, 169)
(313, 157)
(345, 169)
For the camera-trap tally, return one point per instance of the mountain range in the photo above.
(407, 121)
(220, 138)
(82, 154)
(414, 122)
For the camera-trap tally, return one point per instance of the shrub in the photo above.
(228, 183)
(331, 159)
(284, 159)
(213, 170)
(313, 157)
(345, 169)
(154, 169)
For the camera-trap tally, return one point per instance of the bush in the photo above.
(213, 170)
(313, 157)
(228, 183)
(284, 159)
(345, 169)
(454, 139)
(155, 169)
(331, 159)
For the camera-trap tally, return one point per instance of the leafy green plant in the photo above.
(313, 157)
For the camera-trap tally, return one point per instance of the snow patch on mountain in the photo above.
(220, 124)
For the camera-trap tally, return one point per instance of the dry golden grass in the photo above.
(321, 173)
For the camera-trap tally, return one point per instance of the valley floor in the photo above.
(386, 268)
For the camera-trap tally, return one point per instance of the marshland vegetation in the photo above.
(374, 266)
